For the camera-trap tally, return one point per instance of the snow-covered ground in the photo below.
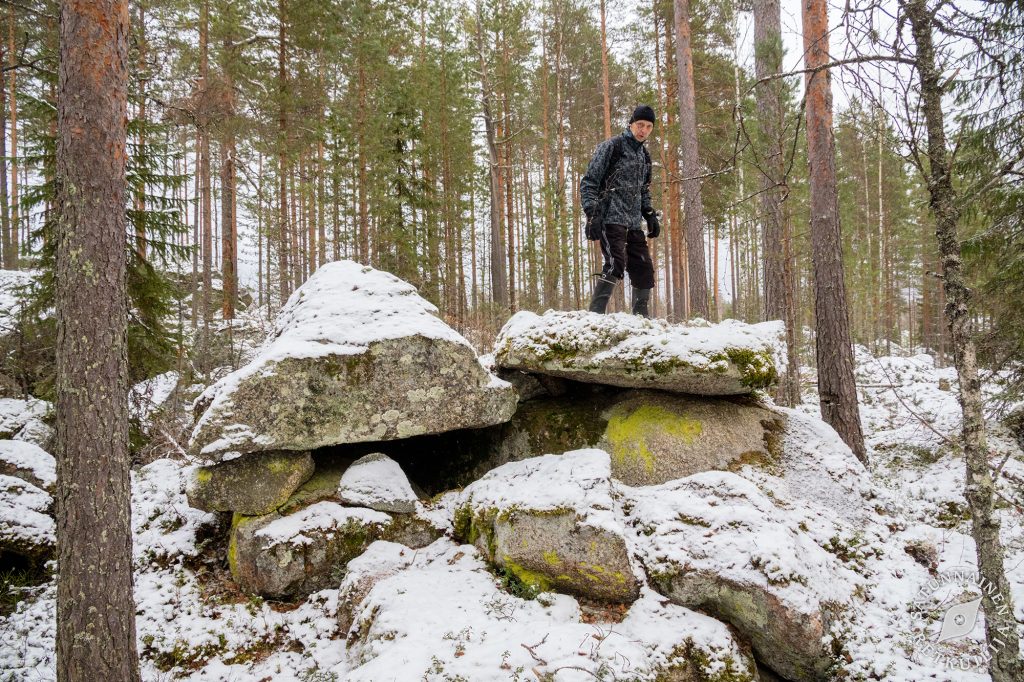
(440, 614)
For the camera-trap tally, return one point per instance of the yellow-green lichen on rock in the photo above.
(252, 484)
(628, 432)
(550, 522)
(654, 436)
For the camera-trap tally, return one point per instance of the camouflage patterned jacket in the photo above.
(629, 192)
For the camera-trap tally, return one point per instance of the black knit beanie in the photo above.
(642, 113)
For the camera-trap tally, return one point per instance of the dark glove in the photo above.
(594, 224)
(653, 226)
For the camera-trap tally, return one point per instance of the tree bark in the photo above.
(229, 226)
(836, 387)
(283, 225)
(1000, 623)
(95, 605)
(229, 218)
(694, 207)
(204, 163)
(5, 202)
(12, 256)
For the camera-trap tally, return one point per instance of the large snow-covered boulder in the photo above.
(26, 527)
(253, 485)
(715, 542)
(439, 614)
(730, 358)
(551, 522)
(357, 355)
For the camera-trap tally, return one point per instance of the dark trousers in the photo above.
(626, 250)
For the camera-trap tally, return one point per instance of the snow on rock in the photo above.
(728, 358)
(16, 413)
(381, 560)
(552, 522)
(356, 355)
(815, 466)
(28, 462)
(26, 527)
(444, 617)
(714, 541)
(378, 482)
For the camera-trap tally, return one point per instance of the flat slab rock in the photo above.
(652, 436)
(357, 355)
(729, 358)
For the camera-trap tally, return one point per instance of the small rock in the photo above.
(924, 553)
(378, 482)
(381, 560)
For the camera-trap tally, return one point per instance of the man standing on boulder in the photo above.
(617, 200)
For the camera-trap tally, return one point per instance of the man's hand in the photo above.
(653, 226)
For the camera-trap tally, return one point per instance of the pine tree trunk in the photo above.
(836, 386)
(1000, 623)
(95, 605)
(12, 253)
(5, 203)
(550, 235)
(778, 272)
(283, 225)
(205, 190)
(140, 196)
(229, 226)
(694, 216)
(499, 275)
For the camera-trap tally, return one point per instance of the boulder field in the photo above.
(617, 461)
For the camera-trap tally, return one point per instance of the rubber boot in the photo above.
(602, 292)
(641, 301)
